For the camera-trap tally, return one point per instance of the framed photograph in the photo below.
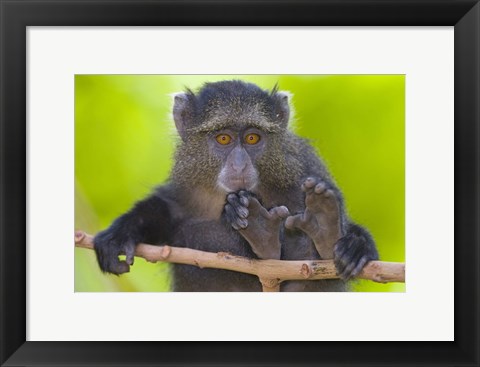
(86, 111)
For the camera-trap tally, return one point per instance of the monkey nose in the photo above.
(238, 160)
(239, 168)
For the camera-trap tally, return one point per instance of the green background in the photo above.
(125, 139)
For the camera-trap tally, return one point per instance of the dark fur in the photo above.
(190, 211)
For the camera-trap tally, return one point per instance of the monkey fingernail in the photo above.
(243, 223)
(242, 212)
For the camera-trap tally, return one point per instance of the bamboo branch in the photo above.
(270, 272)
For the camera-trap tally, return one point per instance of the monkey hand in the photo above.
(321, 218)
(259, 226)
(353, 251)
(109, 244)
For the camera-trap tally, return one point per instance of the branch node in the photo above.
(270, 285)
(306, 271)
(165, 252)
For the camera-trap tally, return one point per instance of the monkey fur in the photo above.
(242, 183)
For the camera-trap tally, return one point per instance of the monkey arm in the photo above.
(259, 226)
(148, 221)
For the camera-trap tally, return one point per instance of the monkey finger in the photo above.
(242, 212)
(360, 265)
(321, 187)
(129, 254)
(119, 267)
(348, 259)
(235, 226)
(308, 184)
(230, 213)
(235, 202)
(244, 200)
(279, 212)
(244, 197)
(329, 193)
(350, 269)
(242, 223)
(293, 221)
(232, 217)
(232, 199)
(339, 266)
(239, 224)
(346, 274)
(256, 208)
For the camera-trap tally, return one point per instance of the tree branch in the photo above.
(270, 272)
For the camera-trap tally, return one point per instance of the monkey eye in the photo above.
(223, 139)
(252, 138)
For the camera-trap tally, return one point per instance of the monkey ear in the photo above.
(183, 112)
(282, 107)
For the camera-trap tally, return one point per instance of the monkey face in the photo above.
(229, 138)
(238, 150)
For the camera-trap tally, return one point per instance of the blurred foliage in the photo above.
(125, 138)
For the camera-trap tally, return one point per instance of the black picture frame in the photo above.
(16, 15)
